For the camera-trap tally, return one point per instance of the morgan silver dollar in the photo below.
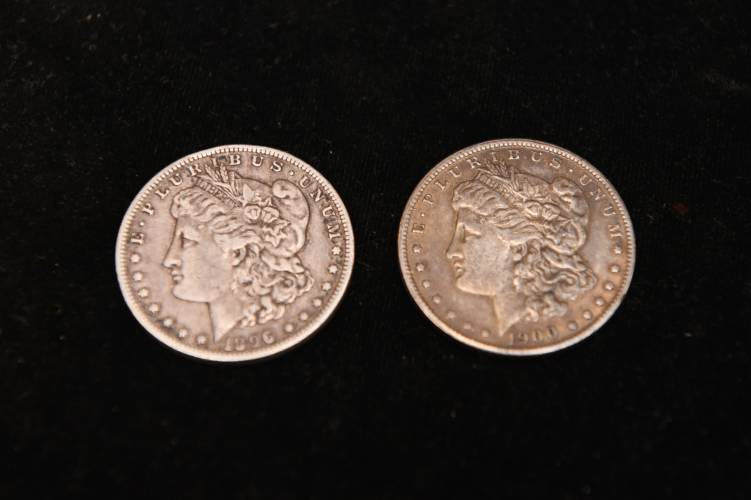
(517, 247)
(235, 253)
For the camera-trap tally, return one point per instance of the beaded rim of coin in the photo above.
(411, 282)
(154, 325)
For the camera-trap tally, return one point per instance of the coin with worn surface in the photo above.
(517, 247)
(235, 253)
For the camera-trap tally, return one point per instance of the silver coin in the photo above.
(517, 247)
(235, 253)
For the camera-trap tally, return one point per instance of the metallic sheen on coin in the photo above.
(517, 247)
(235, 253)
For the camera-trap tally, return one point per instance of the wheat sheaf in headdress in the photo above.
(515, 187)
(558, 209)
(280, 208)
(226, 186)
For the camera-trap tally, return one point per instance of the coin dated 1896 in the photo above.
(517, 247)
(235, 253)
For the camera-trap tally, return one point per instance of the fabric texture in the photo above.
(96, 97)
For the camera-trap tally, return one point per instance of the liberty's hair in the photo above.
(268, 278)
(547, 235)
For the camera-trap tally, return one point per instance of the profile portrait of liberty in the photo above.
(235, 247)
(516, 239)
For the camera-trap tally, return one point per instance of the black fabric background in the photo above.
(96, 97)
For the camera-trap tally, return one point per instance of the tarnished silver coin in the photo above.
(517, 247)
(235, 253)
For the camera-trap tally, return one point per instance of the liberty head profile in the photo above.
(235, 248)
(516, 240)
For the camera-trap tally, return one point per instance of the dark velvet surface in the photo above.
(96, 97)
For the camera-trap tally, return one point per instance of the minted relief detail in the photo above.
(234, 247)
(515, 241)
(525, 248)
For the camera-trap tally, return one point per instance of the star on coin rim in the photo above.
(448, 162)
(344, 269)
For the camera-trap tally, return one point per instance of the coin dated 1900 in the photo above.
(235, 253)
(517, 247)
